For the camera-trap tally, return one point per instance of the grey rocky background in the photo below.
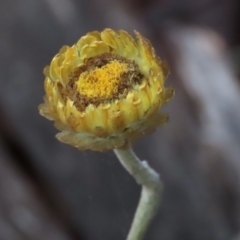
(50, 191)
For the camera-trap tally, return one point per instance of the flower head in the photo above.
(104, 92)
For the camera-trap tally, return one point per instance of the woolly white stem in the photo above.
(150, 195)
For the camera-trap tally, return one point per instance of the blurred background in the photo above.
(51, 191)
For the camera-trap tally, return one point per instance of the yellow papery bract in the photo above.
(112, 39)
(94, 49)
(108, 122)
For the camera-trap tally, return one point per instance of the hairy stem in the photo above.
(150, 195)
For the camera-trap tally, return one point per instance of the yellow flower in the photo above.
(104, 92)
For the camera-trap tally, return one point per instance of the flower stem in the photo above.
(150, 195)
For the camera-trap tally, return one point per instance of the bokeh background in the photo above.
(51, 191)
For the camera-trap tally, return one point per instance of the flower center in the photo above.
(102, 82)
(101, 79)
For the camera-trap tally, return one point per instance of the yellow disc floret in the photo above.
(102, 82)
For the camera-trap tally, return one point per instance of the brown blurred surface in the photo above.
(49, 190)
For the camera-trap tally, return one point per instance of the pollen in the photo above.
(102, 82)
